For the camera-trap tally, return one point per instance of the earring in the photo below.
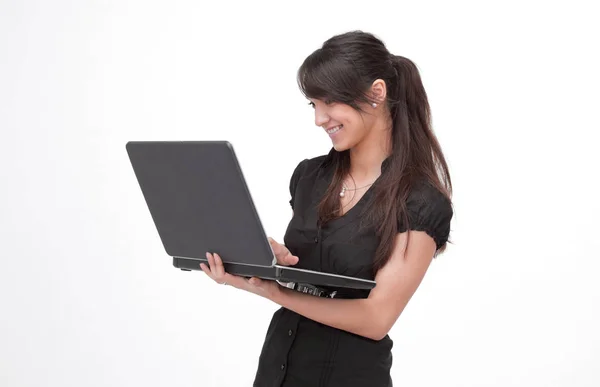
(374, 105)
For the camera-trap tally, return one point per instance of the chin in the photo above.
(343, 144)
(340, 147)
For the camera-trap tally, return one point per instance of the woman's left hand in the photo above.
(216, 271)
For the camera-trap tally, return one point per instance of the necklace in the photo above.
(344, 189)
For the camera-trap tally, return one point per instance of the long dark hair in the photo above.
(343, 70)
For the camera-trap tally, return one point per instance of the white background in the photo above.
(88, 296)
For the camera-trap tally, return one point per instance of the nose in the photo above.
(321, 117)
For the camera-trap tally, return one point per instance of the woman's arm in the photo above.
(372, 317)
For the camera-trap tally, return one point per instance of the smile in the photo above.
(334, 129)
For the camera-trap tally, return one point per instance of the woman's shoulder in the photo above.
(311, 165)
(307, 167)
(431, 210)
(304, 169)
(424, 192)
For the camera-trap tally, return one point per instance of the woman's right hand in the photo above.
(282, 254)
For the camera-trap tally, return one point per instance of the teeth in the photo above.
(333, 130)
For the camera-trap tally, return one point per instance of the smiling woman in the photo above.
(378, 206)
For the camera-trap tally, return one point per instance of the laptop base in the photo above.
(280, 273)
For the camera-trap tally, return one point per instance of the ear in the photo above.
(378, 91)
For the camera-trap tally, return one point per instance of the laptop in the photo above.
(199, 202)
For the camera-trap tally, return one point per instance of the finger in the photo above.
(211, 261)
(213, 270)
(206, 270)
(228, 278)
(255, 281)
(292, 259)
(219, 268)
(281, 253)
(275, 246)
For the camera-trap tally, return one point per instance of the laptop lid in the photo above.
(199, 200)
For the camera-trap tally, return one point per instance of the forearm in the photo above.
(357, 316)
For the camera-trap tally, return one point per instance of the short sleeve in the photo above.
(431, 211)
(294, 180)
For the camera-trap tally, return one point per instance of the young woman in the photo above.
(376, 207)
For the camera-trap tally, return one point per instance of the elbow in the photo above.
(379, 325)
(377, 320)
(377, 329)
(378, 335)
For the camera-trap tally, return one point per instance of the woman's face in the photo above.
(345, 126)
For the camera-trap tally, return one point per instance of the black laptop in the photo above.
(199, 202)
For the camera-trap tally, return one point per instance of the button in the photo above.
(290, 332)
(282, 367)
(316, 240)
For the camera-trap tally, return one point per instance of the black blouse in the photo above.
(300, 352)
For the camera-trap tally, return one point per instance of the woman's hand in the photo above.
(282, 254)
(216, 271)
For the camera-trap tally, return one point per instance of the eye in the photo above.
(312, 104)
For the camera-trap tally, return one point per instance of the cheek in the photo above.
(349, 120)
(356, 125)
